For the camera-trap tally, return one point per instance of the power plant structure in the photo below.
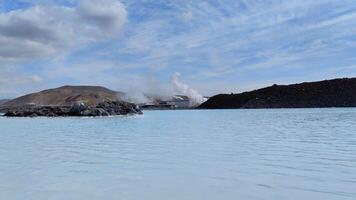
(175, 102)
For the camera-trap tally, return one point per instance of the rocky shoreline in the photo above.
(78, 109)
(321, 94)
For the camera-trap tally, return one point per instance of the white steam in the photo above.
(186, 90)
(147, 90)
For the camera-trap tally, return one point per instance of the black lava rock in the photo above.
(330, 93)
(77, 109)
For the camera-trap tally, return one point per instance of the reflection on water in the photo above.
(175, 155)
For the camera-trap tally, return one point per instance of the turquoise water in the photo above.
(182, 155)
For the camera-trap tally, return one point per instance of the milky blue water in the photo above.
(182, 155)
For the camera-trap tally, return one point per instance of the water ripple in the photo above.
(220, 154)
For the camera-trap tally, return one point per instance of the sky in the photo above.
(137, 45)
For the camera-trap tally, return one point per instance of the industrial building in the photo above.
(176, 102)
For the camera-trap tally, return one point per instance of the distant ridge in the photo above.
(66, 96)
(328, 93)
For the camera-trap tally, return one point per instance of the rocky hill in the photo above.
(66, 96)
(70, 101)
(3, 101)
(329, 93)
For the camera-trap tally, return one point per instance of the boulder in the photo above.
(77, 108)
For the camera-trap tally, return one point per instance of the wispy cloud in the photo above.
(216, 45)
(43, 30)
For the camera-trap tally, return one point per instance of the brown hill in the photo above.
(329, 93)
(66, 96)
(3, 101)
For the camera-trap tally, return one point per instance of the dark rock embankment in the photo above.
(77, 109)
(329, 93)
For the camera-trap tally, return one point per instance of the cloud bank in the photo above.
(219, 46)
(47, 30)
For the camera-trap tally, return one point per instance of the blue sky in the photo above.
(217, 46)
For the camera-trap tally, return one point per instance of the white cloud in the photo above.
(44, 30)
(108, 15)
(292, 32)
(19, 80)
(14, 84)
(221, 41)
(187, 16)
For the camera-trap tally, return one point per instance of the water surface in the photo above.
(182, 155)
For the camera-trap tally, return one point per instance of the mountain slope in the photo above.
(3, 101)
(329, 93)
(66, 96)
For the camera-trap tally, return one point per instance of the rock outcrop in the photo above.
(70, 101)
(77, 109)
(329, 93)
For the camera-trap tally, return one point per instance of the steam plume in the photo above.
(185, 89)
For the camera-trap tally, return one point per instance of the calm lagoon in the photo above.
(182, 155)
